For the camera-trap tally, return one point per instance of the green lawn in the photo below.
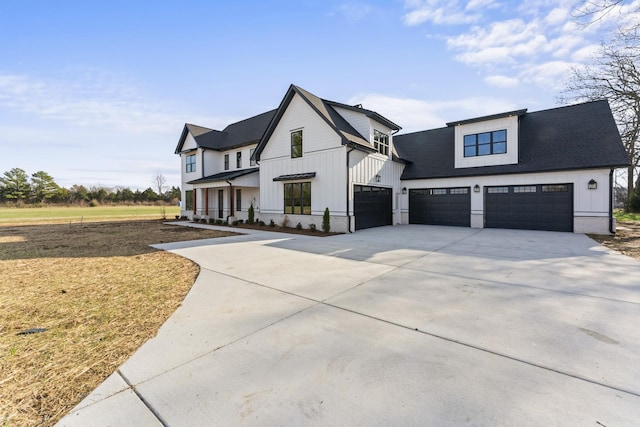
(623, 216)
(76, 213)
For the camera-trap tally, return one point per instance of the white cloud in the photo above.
(550, 75)
(481, 4)
(500, 42)
(355, 11)
(533, 42)
(439, 12)
(501, 81)
(557, 16)
(416, 115)
(585, 53)
(93, 100)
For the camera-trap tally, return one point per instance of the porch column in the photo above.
(231, 201)
(206, 201)
(195, 201)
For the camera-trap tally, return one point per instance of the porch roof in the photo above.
(224, 176)
(295, 176)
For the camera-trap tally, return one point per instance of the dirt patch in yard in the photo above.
(626, 239)
(97, 290)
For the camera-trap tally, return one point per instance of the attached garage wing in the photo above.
(372, 206)
(440, 206)
(530, 207)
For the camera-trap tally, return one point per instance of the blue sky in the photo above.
(97, 92)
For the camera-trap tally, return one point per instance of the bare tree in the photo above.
(595, 11)
(159, 182)
(613, 74)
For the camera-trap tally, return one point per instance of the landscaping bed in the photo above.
(268, 227)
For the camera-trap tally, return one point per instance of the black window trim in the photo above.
(301, 143)
(491, 143)
(292, 200)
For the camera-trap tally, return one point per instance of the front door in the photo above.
(220, 203)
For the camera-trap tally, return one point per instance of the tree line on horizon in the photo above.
(17, 187)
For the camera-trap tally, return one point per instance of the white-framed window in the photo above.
(191, 163)
(381, 142)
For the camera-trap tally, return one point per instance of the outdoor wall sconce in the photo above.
(378, 178)
(404, 190)
(593, 185)
(476, 188)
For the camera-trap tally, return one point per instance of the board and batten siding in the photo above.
(328, 187)
(316, 133)
(359, 121)
(364, 125)
(322, 153)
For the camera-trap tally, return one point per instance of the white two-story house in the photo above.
(547, 170)
(219, 177)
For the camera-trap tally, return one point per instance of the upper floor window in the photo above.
(252, 161)
(296, 144)
(239, 159)
(381, 142)
(191, 163)
(486, 143)
(226, 162)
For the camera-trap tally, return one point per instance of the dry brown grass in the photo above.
(626, 239)
(100, 292)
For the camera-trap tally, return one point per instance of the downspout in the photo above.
(611, 228)
(202, 161)
(347, 194)
(206, 200)
(230, 199)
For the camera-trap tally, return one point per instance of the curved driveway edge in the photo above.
(403, 325)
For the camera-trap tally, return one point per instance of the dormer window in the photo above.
(381, 142)
(486, 143)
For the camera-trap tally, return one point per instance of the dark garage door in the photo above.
(440, 206)
(372, 206)
(530, 207)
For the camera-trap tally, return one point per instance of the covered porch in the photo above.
(225, 196)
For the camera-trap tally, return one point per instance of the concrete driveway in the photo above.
(404, 325)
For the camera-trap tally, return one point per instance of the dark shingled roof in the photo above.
(330, 116)
(224, 176)
(582, 136)
(244, 132)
